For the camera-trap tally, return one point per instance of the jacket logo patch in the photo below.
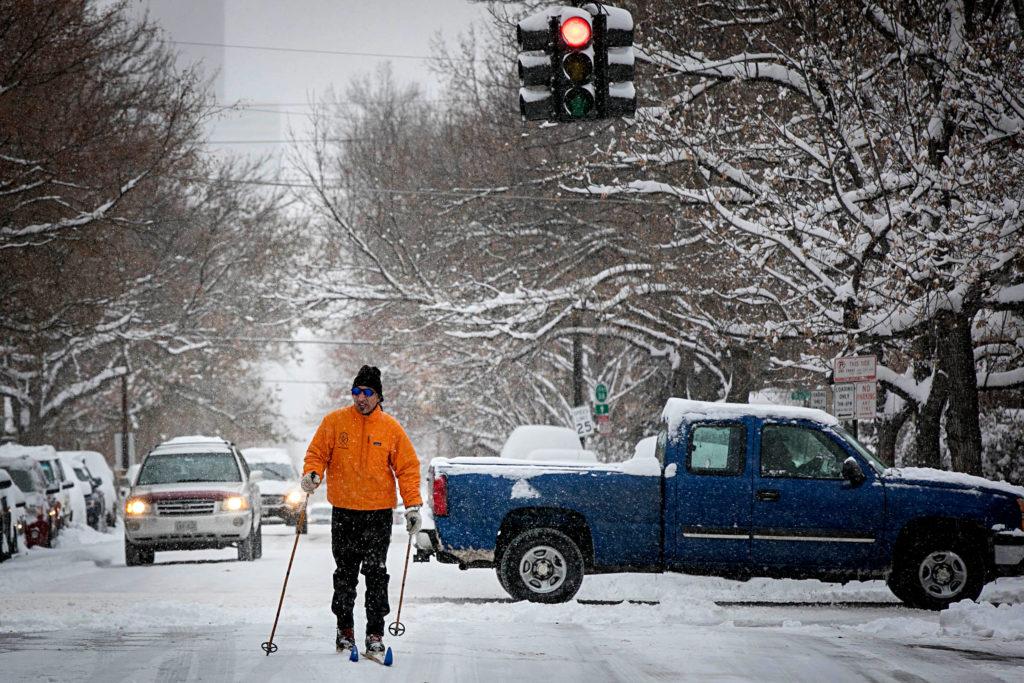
(343, 440)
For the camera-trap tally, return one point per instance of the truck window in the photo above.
(792, 451)
(716, 449)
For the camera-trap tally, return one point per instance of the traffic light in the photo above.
(576, 63)
(615, 63)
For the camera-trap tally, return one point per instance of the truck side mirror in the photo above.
(5, 484)
(852, 472)
(52, 491)
(256, 475)
(68, 485)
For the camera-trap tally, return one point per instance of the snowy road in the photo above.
(77, 613)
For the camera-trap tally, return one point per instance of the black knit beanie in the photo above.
(369, 376)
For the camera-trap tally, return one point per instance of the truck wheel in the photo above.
(259, 543)
(135, 556)
(541, 565)
(247, 548)
(934, 573)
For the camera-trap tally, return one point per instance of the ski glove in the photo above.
(309, 482)
(413, 520)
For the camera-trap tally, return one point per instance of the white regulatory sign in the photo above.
(583, 420)
(843, 401)
(818, 399)
(854, 369)
(864, 395)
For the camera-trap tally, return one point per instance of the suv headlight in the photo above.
(234, 504)
(136, 506)
(294, 498)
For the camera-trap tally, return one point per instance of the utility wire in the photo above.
(488, 193)
(344, 53)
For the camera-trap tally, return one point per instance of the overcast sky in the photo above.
(276, 84)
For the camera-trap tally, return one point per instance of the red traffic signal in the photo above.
(575, 32)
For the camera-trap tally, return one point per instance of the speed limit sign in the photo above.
(583, 421)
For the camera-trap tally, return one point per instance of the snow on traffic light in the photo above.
(576, 63)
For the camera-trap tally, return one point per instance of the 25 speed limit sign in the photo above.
(583, 420)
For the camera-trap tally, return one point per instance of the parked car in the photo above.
(79, 492)
(12, 512)
(59, 485)
(281, 495)
(29, 478)
(320, 513)
(191, 493)
(89, 486)
(100, 469)
(733, 490)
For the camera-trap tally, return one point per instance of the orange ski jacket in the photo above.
(360, 457)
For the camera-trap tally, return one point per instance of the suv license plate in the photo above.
(187, 525)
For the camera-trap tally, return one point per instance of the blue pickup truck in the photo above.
(732, 490)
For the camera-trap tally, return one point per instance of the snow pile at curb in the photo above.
(983, 620)
(902, 628)
(79, 535)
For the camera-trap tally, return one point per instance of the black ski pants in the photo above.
(361, 537)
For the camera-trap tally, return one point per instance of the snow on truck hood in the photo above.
(198, 487)
(276, 486)
(928, 476)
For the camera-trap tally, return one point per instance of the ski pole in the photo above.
(269, 646)
(396, 627)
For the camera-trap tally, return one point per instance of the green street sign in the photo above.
(800, 395)
(600, 409)
(601, 393)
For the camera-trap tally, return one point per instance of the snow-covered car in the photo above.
(192, 493)
(80, 490)
(28, 475)
(281, 495)
(100, 469)
(58, 485)
(12, 510)
(89, 485)
(320, 513)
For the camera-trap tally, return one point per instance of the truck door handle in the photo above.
(768, 494)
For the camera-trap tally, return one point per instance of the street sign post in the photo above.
(582, 420)
(843, 401)
(818, 399)
(854, 369)
(864, 397)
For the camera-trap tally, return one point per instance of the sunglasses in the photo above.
(365, 391)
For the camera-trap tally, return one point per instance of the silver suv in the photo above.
(192, 493)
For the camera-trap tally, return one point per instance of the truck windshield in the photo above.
(23, 479)
(174, 468)
(875, 463)
(274, 471)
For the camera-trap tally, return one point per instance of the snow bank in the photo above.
(983, 620)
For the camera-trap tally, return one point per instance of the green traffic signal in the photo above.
(578, 102)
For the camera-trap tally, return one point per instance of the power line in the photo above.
(329, 342)
(344, 53)
(489, 193)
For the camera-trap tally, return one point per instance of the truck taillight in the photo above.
(440, 502)
(1020, 504)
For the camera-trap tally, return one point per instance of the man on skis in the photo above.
(361, 451)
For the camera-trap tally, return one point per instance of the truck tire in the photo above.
(259, 543)
(247, 547)
(933, 573)
(541, 565)
(136, 556)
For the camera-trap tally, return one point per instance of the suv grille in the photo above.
(185, 506)
(272, 500)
